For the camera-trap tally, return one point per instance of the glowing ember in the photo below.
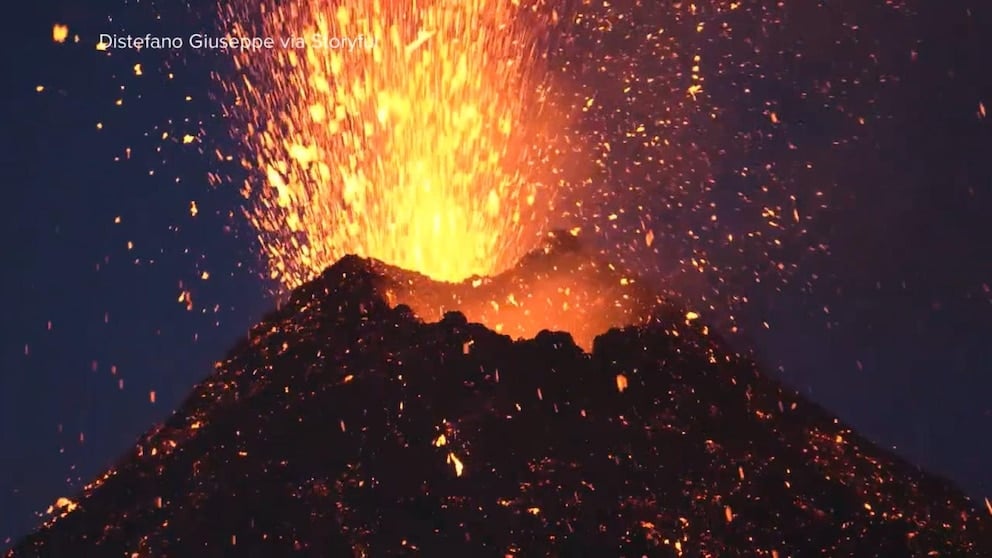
(60, 32)
(403, 132)
(65, 504)
(456, 463)
(621, 382)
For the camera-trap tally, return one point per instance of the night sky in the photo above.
(93, 327)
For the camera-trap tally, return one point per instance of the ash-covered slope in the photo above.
(345, 427)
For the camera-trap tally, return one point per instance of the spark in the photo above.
(456, 463)
(621, 383)
(63, 506)
(60, 32)
(185, 297)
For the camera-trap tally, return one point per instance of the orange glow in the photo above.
(65, 504)
(557, 288)
(60, 32)
(406, 132)
(456, 463)
(621, 383)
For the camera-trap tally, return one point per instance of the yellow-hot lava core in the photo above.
(413, 132)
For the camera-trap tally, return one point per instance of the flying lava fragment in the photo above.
(60, 32)
(421, 140)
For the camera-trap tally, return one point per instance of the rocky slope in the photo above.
(346, 425)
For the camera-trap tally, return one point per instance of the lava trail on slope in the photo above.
(346, 425)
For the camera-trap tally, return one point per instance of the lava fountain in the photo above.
(415, 133)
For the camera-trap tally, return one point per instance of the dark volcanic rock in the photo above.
(344, 427)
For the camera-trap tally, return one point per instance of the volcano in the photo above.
(353, 422)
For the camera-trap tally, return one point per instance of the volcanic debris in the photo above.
(344, 425)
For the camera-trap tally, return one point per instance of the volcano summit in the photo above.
(346, 425)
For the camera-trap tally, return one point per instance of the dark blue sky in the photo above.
(63, 192)
(910, 255)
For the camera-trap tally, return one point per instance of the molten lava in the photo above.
(409, 132)
(560, 286)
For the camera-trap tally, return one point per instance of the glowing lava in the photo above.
(409, 132)
(558, 287)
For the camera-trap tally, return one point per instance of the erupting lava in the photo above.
(418, 142)
(559, 286)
